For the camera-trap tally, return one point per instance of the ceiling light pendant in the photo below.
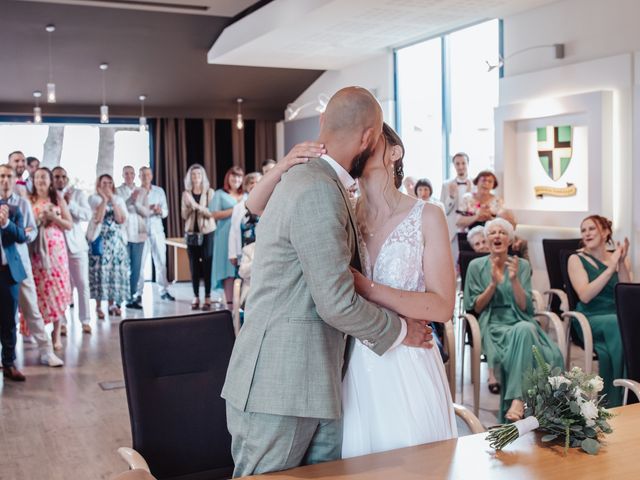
(37, 111)
(104, 108)
(143, 119)
(239, 119)
(51, 87)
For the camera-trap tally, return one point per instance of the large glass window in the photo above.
(419, 77)
(445, 101)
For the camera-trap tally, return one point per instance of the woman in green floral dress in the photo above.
(108, 265)
(498, 289)
(594, 272)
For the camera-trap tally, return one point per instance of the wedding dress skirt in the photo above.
(401, 398)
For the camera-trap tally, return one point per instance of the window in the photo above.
(445, 101)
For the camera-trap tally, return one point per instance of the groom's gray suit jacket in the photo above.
(288, 357)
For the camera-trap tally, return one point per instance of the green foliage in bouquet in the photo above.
(566, 405)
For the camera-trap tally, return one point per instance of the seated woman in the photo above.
(477, 240)
(498, 288)
(482, 205)
(594, 272)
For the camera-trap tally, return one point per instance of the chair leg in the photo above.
(463, 348)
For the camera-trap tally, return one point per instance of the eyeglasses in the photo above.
(59, 176)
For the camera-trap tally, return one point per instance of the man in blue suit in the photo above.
(11, 274)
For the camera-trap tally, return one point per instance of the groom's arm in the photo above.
(319, 236)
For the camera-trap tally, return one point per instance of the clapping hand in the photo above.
(496, 272)
(624, 250)
(4, 213)
(512, 267)
(67, 195)
(453, 189)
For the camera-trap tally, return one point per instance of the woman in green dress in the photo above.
(594, 272)
(498, 289)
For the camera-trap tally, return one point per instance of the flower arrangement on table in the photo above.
(566, 406)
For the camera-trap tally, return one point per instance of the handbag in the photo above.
(97, 246)
(193, 239)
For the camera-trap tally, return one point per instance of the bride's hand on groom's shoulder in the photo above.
(419, 334)
(301, 153)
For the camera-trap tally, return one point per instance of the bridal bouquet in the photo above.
(564, 405)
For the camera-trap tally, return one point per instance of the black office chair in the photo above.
(628, 309)
(552, 249)
(569, 314)
(174, 369)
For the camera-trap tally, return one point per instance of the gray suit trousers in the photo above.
(268, 443)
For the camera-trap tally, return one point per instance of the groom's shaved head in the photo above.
(351, 110)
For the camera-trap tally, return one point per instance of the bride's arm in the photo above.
(436, 304)
(259, 196)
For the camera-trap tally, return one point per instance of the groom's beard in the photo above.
(358, 163)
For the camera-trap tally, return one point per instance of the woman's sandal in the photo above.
(494, 388)
(514, 414)
(195, 304)
(206, 306)
(100, 313)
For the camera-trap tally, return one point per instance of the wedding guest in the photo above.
(477, 240)
(453, 191)
(239, 219)
(77, 247)
(11, 274)
(199, 227)
(267, 165)
(156, 240)
(136, 228)
(27, 296)
(49, 259)
(594, 272)
(19, 163)
(498, 289)
(108, 258)
(520, 246)
(423, 189)
(32, 165)
(222, 208)
(409, 184)
(482, 205)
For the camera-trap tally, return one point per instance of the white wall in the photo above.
(375, 74)
(601, 38)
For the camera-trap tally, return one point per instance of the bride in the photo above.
(401, 398)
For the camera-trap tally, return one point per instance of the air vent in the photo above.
(143, 3)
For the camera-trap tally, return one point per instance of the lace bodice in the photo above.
(399, 263)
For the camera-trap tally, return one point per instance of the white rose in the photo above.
(557, 381)
(578, 393)
(589, 410)
(591, 423)
(596, 384)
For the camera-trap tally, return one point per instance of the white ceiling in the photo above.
(331, 34)
(218, 8)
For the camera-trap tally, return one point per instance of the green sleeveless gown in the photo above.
(607, 342)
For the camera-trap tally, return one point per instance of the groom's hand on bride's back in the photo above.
(419, 334)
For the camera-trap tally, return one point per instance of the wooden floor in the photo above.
(61, 424)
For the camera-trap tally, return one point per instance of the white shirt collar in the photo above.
(347, 180)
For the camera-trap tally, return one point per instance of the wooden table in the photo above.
(181, 269)
(471, 458)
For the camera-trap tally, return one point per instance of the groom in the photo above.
(283, 385)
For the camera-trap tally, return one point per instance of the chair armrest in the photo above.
(469, 418)
(538, 301)
(560, 329)
(628, 385)
(562, 296)
(474, 328)
(237, 289)
(133, 459)
(450, 341)
(586, 334)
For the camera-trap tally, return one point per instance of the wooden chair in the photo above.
(469, 418)
(237, 290)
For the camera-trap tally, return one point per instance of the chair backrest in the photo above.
(628, 309)
(566, 281)
(463, 244)
(464, 260)
(174, 369)
(552, 248)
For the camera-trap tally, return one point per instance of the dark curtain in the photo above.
(214, 143)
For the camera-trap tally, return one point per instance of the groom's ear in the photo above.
(367, 139)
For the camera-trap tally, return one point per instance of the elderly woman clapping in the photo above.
(498, 289)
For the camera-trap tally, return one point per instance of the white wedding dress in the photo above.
(402, 398)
